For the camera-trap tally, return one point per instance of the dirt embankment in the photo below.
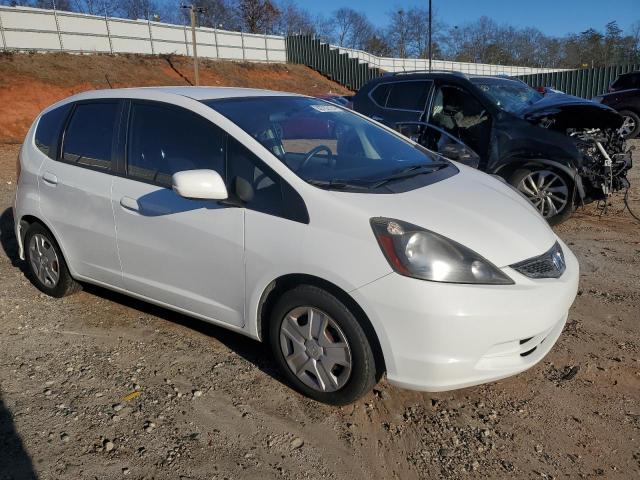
(31, 82)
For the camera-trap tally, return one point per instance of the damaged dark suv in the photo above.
(559, 151)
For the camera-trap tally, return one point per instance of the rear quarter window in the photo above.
(627, 81)
(88, 139)
(49, 128)
(380, 93)
(409, 95)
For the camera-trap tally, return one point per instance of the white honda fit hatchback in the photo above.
(350, 249)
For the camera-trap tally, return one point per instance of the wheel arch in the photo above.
(25, 222)
(22, 225)
(277, 287)
(630, 108)
(634, 110)
(509, 168)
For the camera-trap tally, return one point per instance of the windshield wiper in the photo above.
(336, 184)
(411, 171)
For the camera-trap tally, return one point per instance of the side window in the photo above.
(633, 80)
(454, 108)
(243, 167)
(624, 82)
(380, 93)
(48, 130)
(88, 139)
(460, 114)
(164, 140)
(408, 95)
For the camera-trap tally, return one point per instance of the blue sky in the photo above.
(553, 17)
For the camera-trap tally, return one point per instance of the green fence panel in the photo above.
(584, 82)
(339, 67)
(351, 73)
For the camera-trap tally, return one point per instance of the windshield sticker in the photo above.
(326, 108)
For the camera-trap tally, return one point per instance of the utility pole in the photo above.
(430, 22)
(192, 12)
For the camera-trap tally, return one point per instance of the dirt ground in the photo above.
(101, 386)
(31, 82)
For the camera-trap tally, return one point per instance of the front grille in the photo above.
(550, 264)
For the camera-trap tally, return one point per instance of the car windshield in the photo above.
(510, 95)
(327, 145)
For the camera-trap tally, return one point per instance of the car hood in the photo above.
(474, 209)
(572, 112)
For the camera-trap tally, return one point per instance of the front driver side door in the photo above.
(183, 253)
(439, 141)
(461, 114)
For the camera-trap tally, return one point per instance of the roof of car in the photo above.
(629, 74)
(454, 77)
(197, 93)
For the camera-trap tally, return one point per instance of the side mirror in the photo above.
(199, 184)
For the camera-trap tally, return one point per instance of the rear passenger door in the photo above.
(400, 101)
(75, 191)
(183, 253)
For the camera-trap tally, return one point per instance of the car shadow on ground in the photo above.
(15, 462)
(8, 239)
(253, 351)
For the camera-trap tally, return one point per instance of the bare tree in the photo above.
(218, 14)
(136, 9)
(258, 16)
(377, 45)
(293, 19)
(94, 7)
(59, 4)
(399, 33)
(351, 29)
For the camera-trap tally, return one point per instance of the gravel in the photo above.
(98, 385)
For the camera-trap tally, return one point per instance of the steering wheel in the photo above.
(313, 152)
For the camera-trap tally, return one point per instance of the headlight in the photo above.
(416, 252)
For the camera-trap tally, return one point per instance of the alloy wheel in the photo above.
(315, 349)
(44, 260)
(546, 190)
(628, 126)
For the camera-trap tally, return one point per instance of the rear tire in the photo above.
(46, 266)
(631, 125)
(553, 198)
(329, 359)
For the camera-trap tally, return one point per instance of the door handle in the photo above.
(50, 178)
(130, 204)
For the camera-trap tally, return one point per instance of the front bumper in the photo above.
(437, 336)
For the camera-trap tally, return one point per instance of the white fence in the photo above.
(23, 28)
(406, 64)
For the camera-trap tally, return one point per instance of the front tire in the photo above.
(320, 346)
(550, 192)
(46, 266)
(631, 124)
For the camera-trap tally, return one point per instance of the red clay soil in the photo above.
(31, 82)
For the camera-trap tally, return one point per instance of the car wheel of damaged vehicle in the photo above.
(321, 347)
(46, 264)
(550, 192)
(630, 124)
